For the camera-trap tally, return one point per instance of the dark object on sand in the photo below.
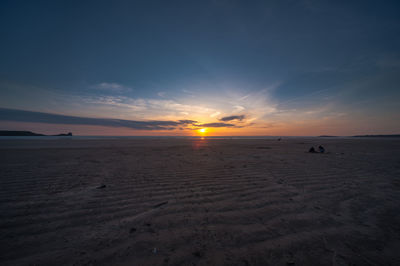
(312, 150)
(279, 139)
(321, 149)
(160, 204)
(198, 254)
(102, 186)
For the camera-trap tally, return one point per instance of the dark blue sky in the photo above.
(284, 65)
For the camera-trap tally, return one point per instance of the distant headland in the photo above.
(9, 133)
(378, 136)
(365, 136)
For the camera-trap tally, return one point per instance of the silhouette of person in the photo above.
(321, 149)
(312, 150)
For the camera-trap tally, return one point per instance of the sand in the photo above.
(199, 202)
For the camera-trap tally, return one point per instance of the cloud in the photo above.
(216, 125)
(239, 108)
(232, 117)
(190, 122)
(112, 86)
(215, 114)
(187, 91)
(205, 108)
(161, 94)
(39, 117)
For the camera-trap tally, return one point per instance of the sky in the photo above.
(232, 68)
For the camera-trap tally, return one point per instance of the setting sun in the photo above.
(203, 130)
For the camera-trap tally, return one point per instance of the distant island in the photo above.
(365, 136)
(9, 133)
(377, 136)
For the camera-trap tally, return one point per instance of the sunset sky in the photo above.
(245, 68)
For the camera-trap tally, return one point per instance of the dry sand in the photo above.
(199, 202)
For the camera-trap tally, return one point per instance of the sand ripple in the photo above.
(199, 202)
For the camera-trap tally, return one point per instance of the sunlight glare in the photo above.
(202, 130)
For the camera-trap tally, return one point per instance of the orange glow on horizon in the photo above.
(338, 127)
(202, 131)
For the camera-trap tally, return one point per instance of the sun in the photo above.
(202, 130)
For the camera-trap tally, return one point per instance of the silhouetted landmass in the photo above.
(10, 133)
(327, 136)
(378, 136)
(18, 133)
(64, 135)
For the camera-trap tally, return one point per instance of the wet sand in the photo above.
(199, 202)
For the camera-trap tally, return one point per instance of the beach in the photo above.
(173, 201)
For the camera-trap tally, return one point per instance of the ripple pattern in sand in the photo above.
(201, 202)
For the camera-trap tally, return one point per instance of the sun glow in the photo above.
(202, 131)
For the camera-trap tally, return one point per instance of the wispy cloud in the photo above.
(239, 108)
(127, 107)
(39, 117)
(215, 114)
(161, 94)
(112, 87)
(216, 125)
(229, 108)
(188, 122)
(232, 117)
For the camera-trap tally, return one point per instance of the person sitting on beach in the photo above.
(312, 150)
(321, 149)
